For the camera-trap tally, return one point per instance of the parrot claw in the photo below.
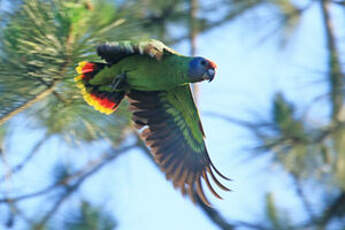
(117, 81)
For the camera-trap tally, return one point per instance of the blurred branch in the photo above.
(55, 93)
(215, 24)
(335, 209)
(14, 211)
(43, 94)
(81, 174)
(70, 189)
(341, 3)
(303, 197)
(193, 33)
(213, 215)
(21, 165)
(335, 72)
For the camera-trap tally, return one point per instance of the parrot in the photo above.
(156, 80)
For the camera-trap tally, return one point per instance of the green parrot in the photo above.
(156, 80)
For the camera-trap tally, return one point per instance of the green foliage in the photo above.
(2, 136)
(303, 149)
(41, 44)
(89, 217)
(277, 219)
(283, 116)
(290, 18)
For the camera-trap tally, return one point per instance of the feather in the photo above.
(204, 175)
(175, 140)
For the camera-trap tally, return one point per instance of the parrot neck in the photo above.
(181, 64)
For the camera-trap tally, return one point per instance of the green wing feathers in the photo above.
(172, 129)
(94, 77)
(166, 114)
(113, 52)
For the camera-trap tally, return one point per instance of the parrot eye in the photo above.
(203, 62)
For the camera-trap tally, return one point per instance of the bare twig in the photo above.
(211, 213)
(94, 164)
(300, 193)
(70, 189)
(21, 165)
(333, 210)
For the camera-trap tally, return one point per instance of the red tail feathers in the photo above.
(103, 101)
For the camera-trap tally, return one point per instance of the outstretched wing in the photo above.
(112, 52)
(173, 131)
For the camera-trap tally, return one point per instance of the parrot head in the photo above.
(201, 69)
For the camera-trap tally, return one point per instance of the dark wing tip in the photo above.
(182, 164)
(189, 181)
(219, 173)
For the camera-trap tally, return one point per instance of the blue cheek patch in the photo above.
(194, 67)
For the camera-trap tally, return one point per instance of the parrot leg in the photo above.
(117, 81)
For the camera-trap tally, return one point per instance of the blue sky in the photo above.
(248, 75)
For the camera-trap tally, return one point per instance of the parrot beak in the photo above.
(209, 74)
(211, 71)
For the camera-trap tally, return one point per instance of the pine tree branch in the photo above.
(43, 94)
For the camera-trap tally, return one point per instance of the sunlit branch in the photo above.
(43, 94)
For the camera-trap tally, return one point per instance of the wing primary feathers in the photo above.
(200, 191)
(217, 171)
(170, 169)
(204, 175)
(216, 180)
(183, 190)
(178, 174)
(190, 182)
(165, 160)
(180, 152)
(181, 181)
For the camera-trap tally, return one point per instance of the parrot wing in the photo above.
(115, 51)
(171, 127)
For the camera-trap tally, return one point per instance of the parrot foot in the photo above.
(117, 81)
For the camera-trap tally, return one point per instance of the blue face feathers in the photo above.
(201, 69)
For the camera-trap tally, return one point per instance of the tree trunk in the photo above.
(335, 72)
(193, 33)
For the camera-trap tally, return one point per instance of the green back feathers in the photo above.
(115, 51)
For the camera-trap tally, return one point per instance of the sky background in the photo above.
(250, 70)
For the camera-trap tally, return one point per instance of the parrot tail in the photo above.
(103, 101)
